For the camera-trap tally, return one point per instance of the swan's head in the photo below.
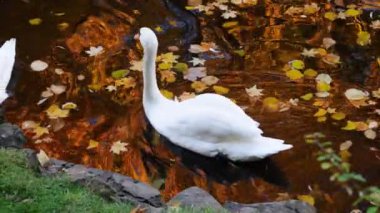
(148, 38)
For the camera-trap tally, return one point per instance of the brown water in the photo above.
(273, 41)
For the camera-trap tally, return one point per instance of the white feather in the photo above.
(7, 60)
(208, 124)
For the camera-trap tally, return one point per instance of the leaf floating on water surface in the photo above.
(254, 92)
(54, 112)
(186, 95)
(117, 74)
(199, 86)
(294, 75)
(194, 73)
(272, 104)
(328, 42)
(355, 94)
(39, 131)
(229, 14)
(181, 67)
(136, 65)
(307, 97)
(345, 145)
(119, 147)
(197, 61)
(127, 82)
(38, 65)
(310, 9)
(331, 59)
(168, 76)
(94, 51)
(210, 80)
(370, 134)
(167, 94)
(351, 125)
(58, 89)
(69, 105)
(35, 21)
(309, 53)
(221, 90)
(297, 64)
(338, 116)
(375, 25)
(92, 144)
(330, 16)
(321, 112)
(306, 198)
(364, 38)
(352, 12)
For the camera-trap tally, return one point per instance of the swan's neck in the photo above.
(151, 93)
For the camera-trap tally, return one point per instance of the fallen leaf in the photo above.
(297, 64)
(321, 112)
(181, 67)
(119, 147)
(94, 51)
(92, 144)
(69, 105)
(194, 73)
(168, 76)
(221, 90)
(328, 42)
(364, 38)
(136, 65)
(127, 82)
(35, 21)
(272, 104)
(117, 74)
(310, 73)
(375, 25)
(210, 80)
(42, 158)
(330, 16)
(167, 94)
(57, 89)
(294, 75)
(338, 116)
(168, 58)
(309, 53)
(54, 112)
(310, 9)
(306, 198)
(254, 92)
(345, 145)
(38, 65)
(352, 12)
(186, 95)
(331, 59)
(370, 134)
(199, 86)
(323, 87)
(355, 94)
(197, 61)
(350, 126)
(326, 78)
(307, 97)
(229, 14)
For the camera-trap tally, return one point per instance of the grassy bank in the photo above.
(23, 190)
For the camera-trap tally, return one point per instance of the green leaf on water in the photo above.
(119, 73)
(326, 165)
(181, 67)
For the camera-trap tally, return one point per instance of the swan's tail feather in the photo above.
(7, 60)
(260, 148)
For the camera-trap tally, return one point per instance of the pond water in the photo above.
(269, 40)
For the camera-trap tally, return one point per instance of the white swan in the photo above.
(208, 124)
(7, 60)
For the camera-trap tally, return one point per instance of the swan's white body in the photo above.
(7, 60)
(208, 124)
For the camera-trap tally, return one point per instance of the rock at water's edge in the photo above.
(195, 197)
(291, 206)
(11, 136)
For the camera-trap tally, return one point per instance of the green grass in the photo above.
(23, 190)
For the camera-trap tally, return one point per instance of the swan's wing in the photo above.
(219, 102)
(7, 59)
(210, 125)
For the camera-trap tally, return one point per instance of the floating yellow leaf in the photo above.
(181, 67)
(63, 26)
(352, 12)
(230, 24)
(220, 90)
(297, 64)
(167, 93)
(310, 73)
(323, 86)
(165, 66)
(69, 105)
(168, 58)
(54, 112)
(351, 125)
(93, 144)
(271, 104)
(321, 112)
(119, 147)
(321, 119)
(117, 74)
(168, 76)
(364, 38)
(331, 16)
(307, 97)
(39, 131)
(199, 86)
(338, 116)
(127, 82)
(158, 29)
(345, 155)
(306, 198)
(294, 74)
(35, 21)
(311, 8)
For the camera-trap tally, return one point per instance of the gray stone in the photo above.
(11, 136)
(32, 161)
(291, 206)
(195, 197)
(111, 186)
